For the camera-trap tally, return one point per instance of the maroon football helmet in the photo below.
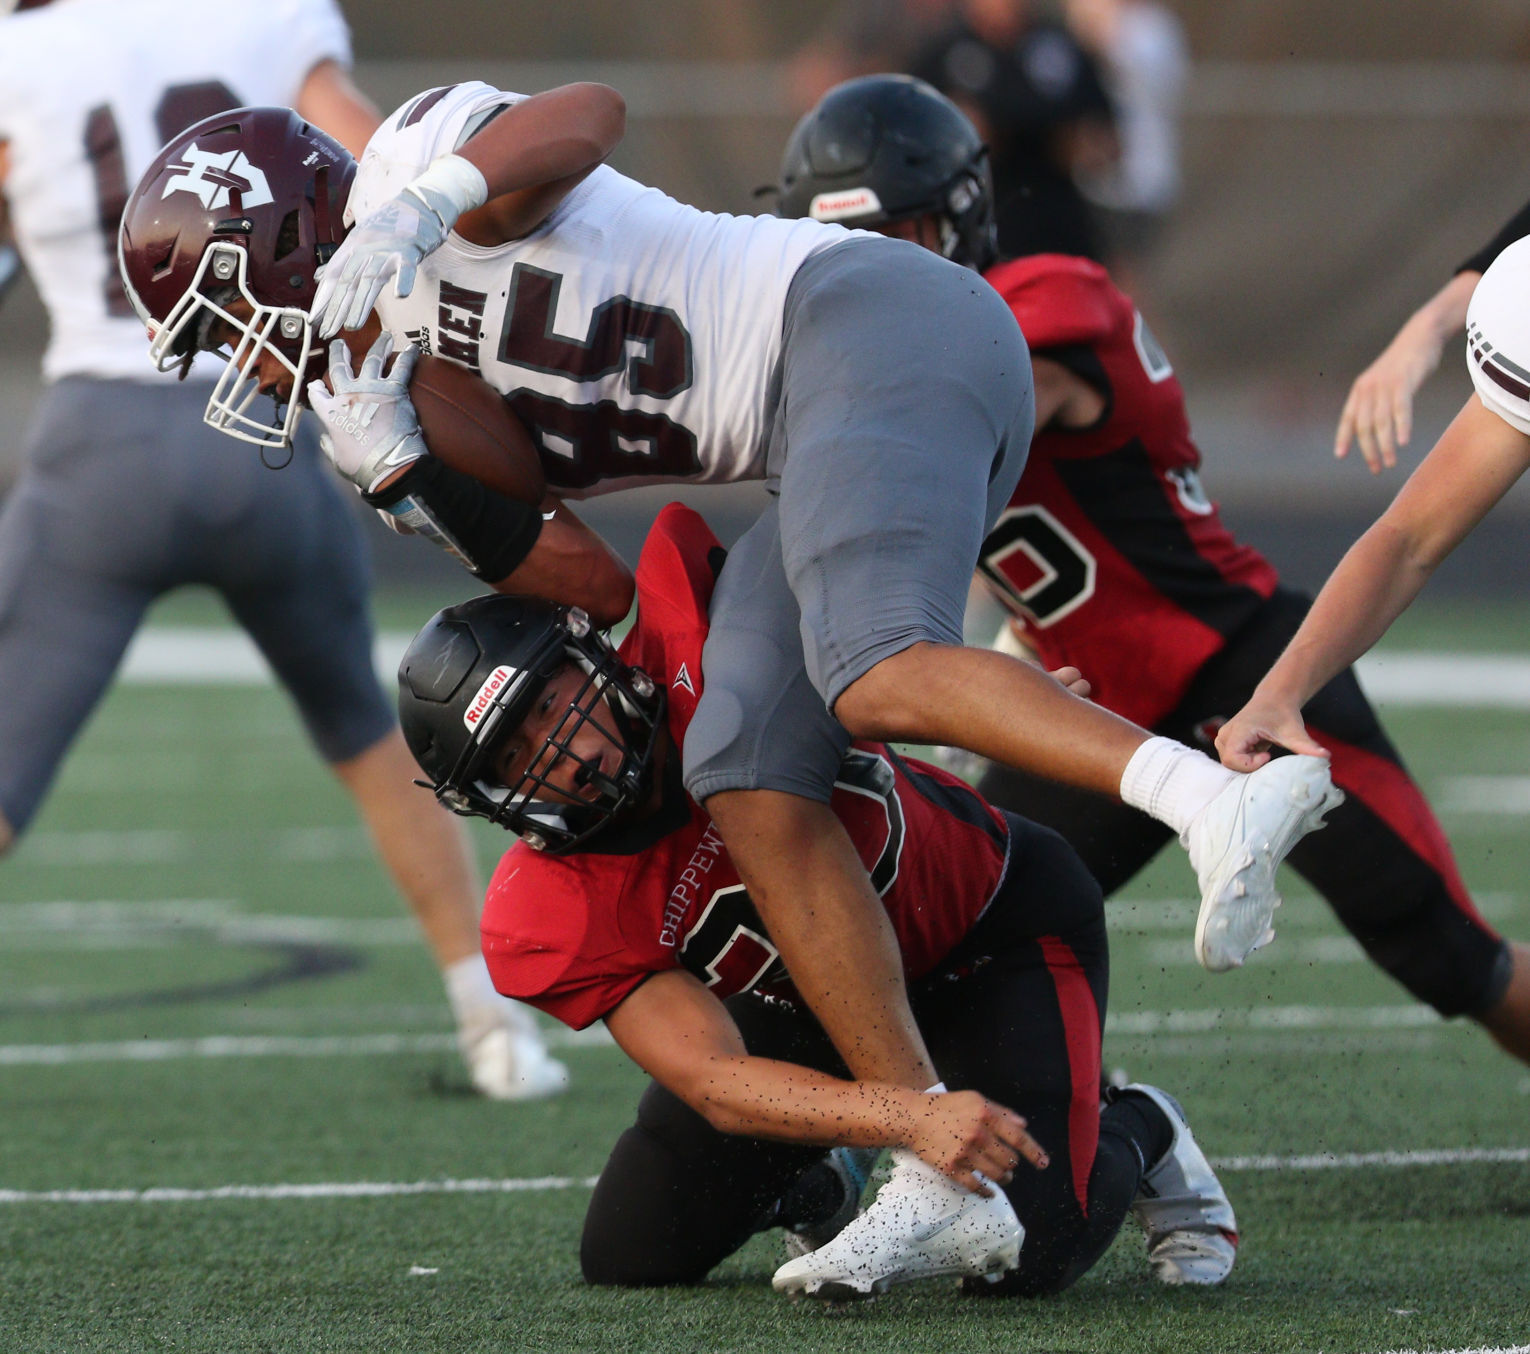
(245, 205)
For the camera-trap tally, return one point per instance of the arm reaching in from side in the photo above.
(1468, 470)
(683, 1037)
(1378, 413)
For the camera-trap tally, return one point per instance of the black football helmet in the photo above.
(886, 148)
(471, 678)
(246, 204)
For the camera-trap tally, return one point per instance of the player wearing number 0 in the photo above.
(1111, 559)
(641, 339)
(125, 495)
(632, 911)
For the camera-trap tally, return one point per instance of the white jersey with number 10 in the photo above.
(81, 124)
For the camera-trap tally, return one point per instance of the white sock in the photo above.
(1172, 782)
(477, 1007)
(469, 988)
(939, 1088)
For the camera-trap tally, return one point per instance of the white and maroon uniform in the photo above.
(89, 92)
(634, 333)
(642, 340)
(125, 493)
(1498, 336)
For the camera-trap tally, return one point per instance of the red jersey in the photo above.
(1109, 552)
(575, 935)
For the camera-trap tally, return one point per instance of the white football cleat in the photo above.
(1236, 844)
(507, 1057)
(921, 1225)
(1192, 1235)
(851, 1167)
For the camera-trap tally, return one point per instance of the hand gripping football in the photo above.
(467, 424)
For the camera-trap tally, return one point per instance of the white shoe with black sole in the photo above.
(922, 1225)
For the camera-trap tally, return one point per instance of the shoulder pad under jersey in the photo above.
(425, 127)
(1057, 298)
(1498, 336)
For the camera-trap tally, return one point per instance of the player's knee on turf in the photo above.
(635, 1232)
(677, 1197)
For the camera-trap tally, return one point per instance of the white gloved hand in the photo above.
(392, 243)
(370, 427)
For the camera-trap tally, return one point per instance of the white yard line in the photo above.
(208, 656)
(159, 846)
(217, 656)
(1347, 1020)
(1202, 1020)
(217, 1046)
(1496, 1349)
(1493, 796)
(1127, 916)
(1350, 1161)
(370, 1189)
(362, 1189)
(1309, 952)
(165, 926)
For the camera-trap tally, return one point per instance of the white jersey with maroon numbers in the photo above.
(79, 134)
(635, 335)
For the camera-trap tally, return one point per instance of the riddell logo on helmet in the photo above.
(213, 178)
(480, 705)
(847, 203)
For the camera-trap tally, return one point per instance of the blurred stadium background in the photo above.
(1338, 162)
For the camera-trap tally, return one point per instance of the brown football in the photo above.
(467, 424)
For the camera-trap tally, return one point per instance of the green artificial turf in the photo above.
(197, 873)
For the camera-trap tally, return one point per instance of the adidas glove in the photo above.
(370, 427)
(392, 243)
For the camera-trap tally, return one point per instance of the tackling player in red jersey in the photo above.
(1111, 558)
(621, 903)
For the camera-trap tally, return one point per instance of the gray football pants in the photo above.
(901, 422)
(126, 494)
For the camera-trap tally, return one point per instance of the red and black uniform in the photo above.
(1003, 942)
(576, 934)
(1114, 561)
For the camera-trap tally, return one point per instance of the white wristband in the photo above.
(450, 186)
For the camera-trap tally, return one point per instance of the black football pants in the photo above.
(1015, 1012)
(1382, 862)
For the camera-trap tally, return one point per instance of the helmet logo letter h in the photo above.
(212, 177)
